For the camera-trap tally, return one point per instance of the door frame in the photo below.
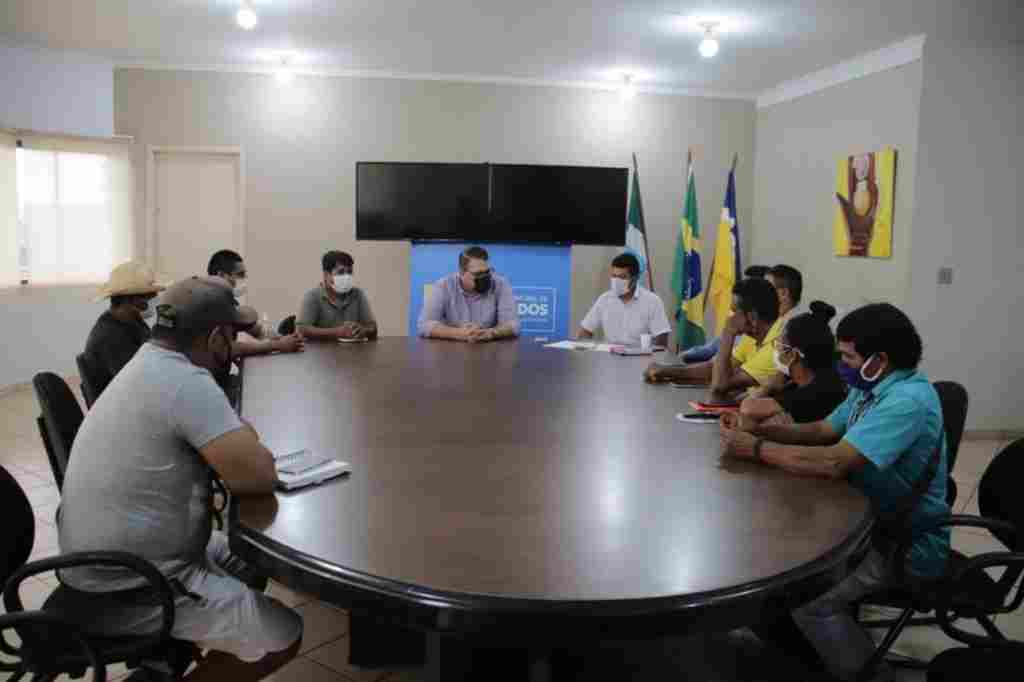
(151, 153)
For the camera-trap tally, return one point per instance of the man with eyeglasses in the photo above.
(474, 305)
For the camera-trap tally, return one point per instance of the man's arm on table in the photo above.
(807, 449)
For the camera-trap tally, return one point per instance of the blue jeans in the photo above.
(702, 353)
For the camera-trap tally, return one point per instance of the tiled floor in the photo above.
(324, 654)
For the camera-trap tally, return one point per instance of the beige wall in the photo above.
(968, 216)
(798, 144)
(302, 141)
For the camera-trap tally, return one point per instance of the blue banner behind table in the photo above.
(540, 278)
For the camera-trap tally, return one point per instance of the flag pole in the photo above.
(647, 249)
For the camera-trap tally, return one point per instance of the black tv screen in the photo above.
(405, 201)
(569, 204)
(491, 203)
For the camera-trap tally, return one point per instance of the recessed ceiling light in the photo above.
(284, 74)
(628, 87)
(247, 17)
(709, 46)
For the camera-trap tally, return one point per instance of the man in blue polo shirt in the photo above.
(881, 439)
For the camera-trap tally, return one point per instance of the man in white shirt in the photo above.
(627, 310)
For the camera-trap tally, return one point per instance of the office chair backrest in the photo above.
(287, 326)
(61, 418)
(999, 495)
(953, 398)
(19, 526)
(92, 381)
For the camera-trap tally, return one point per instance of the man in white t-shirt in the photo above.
(627, 310)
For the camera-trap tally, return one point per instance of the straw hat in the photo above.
(130, 279)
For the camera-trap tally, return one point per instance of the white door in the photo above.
(196, 210)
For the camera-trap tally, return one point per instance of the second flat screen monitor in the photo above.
(398, 201)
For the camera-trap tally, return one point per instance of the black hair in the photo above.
(757, 296)
(882, 328)
(810, 334)
(472, 253)
(333, 259)
(628, 261)
(789, 278)
(224, 261)
(756, 271)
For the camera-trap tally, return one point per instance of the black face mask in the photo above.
(483, 283)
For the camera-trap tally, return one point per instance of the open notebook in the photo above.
(302, 468)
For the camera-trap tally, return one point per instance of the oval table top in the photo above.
(507, 475)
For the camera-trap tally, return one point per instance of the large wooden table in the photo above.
(530, 493)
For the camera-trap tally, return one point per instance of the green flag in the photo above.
(686, 275)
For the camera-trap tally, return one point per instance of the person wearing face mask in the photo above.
(474, 305)
(337, 309)
(230, 268)
(138, 481)
(805, 354)
(627, 310)
(886, 439)
(121, 330)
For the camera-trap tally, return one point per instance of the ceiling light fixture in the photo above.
(284, 74)
(247, 17)
(709, 46)
(628, 87)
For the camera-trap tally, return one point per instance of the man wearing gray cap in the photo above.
(138, 480)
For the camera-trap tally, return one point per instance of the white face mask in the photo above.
(777, 358)
(148, 313)
(343, 283)
(620, 286)
(241, 289)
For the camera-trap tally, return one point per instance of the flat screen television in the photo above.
(567, 204)
(413, 201)
(491, 203)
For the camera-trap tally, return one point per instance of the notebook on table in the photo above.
(302, 468)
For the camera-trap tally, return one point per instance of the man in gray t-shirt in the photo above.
(139, 477)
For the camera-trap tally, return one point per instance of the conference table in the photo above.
(507, 492)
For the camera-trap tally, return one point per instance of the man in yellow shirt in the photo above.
(755, 316)
(753, 357)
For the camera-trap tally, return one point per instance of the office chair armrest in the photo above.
(951, 521)
(155, 580)
(32, 620)
(1013, 562)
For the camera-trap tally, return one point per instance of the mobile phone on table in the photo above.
(697, 417)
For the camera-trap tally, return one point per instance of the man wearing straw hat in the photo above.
(121, 330)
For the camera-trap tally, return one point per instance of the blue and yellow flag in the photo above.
(686, 275)
(725, 268)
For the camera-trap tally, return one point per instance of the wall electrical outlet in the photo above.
(945, 275)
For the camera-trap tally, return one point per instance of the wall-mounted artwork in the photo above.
(865, 193)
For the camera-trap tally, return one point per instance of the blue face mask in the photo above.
(856, 377)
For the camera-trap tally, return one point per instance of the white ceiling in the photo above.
(763, 42)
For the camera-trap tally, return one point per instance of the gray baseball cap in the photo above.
(202, 302)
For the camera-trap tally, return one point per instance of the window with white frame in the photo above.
(73, 220)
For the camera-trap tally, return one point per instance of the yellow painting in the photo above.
(865, 193)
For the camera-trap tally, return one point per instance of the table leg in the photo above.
(374, 645)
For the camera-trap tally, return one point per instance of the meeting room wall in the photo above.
(301, 143)
(967, 217)
(798, 145)
(59, 92)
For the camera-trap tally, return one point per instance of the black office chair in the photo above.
(967, 590)
(40, 634)
(59, 422)
(953, 398)
(287, 326)
(156, 652)
(93, 382)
